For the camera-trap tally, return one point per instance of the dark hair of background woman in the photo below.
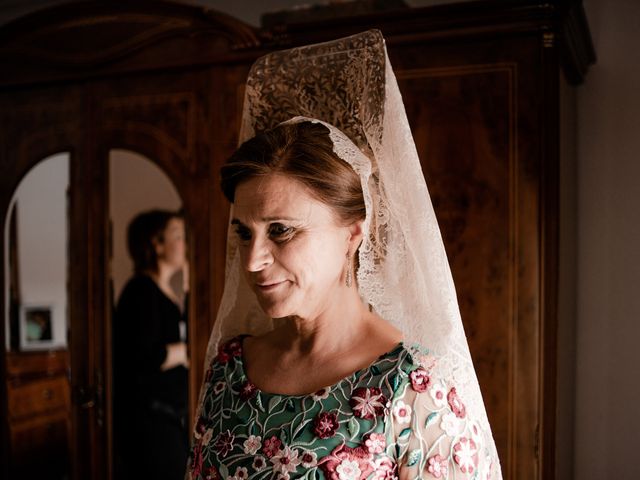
(143, 231)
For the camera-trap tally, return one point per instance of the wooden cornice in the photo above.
(95, 39)
(82, 39)
(560, 22)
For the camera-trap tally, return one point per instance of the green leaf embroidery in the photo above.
(375, 370)
(353, 427)
(290, 406)
(259, 402)
(414, 457)
(405, 433)
(273, 402)
(284, 437)
(396, 382)
(224, 471)
(432, 416)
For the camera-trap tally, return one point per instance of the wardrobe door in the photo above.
(48, 350)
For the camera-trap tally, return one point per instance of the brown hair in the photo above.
(304, 152)
(143, 230)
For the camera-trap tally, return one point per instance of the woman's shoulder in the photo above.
(137, 283)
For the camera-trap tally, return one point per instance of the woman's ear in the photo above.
(355, 235)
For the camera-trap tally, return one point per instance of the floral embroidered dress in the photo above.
(393, 419)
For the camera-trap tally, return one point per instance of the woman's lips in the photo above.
(267, 287)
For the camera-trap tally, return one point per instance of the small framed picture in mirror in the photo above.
(36, 326)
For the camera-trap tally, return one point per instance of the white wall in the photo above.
(41, 199)
(608, 336)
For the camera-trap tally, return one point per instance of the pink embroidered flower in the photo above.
(325, 425)
(368, 402)
(438, 394)
(451, 424)
(402, 412)
(233, 348)
(218, 387)
(241, 473)
(200, 428)
(259, 463)
(456, 405)
(384, 469)
(345, 463)
(285, 461)
(271, 446)
(223, 357)
(437, 466)
(252, 445)
(321, 394)
(348, 470)
(375, 443)
(419, 379)
(476, 434)
(247, 390)
(196, 460)
(212, 473)
(465, 454)
(224, 443)
(309, 459)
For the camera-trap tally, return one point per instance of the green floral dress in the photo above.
(393, 419)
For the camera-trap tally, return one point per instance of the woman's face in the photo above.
(292, 249)
(172, 250)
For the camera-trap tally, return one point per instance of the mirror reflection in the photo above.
(150, 276)
(36, 320)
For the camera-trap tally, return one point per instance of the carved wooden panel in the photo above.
(167, 119)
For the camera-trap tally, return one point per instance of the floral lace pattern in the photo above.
(391, 420)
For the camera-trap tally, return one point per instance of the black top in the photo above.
(146, 320)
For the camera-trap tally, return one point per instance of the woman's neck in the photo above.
(162, 278)
(333, 330)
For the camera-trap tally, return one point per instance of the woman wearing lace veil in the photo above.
(338, 350)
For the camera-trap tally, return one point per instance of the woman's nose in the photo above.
(257, 255)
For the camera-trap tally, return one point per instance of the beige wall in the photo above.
(135, 184)
(608, 335)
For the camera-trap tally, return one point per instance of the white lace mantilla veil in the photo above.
(404, 275)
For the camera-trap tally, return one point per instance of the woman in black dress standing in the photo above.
(150, 353)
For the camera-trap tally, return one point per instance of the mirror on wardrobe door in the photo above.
(149, 282)
(36, 321)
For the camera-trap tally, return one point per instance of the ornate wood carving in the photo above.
(168, 119)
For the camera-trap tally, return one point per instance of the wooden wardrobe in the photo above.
(489, 89)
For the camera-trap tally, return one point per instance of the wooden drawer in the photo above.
(45, 439)
(38, 397)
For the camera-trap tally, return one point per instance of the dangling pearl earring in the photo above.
(348, 280)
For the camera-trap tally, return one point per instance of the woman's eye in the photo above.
(243, 234)
(280, 231)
